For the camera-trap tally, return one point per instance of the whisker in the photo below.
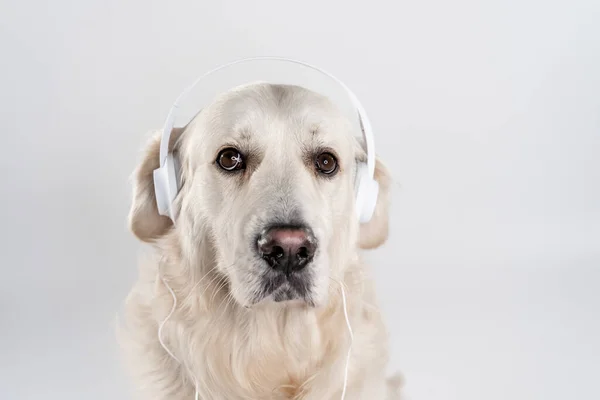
(197, 284)
(228, 301)
(222, 283)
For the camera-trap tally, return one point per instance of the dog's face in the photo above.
(268, 176)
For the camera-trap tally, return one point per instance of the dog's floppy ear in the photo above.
(375, 232)
(144, 220)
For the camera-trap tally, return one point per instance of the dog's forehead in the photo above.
(262, 112)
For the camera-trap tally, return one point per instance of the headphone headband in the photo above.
(365, 124)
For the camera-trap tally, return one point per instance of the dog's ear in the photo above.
(375, 232)
(144, 220)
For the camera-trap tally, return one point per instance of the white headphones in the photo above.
(166, 179)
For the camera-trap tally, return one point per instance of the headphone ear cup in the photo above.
(166, 187)
(367, 190)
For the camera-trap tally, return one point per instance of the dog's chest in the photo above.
(271, 358)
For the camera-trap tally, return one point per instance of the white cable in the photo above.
(351, 341)
(162, 324)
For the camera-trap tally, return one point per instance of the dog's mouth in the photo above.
(281, 288)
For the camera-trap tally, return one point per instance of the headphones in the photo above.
(166, 177)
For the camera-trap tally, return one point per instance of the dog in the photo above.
(250, 287)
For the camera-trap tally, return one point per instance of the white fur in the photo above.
(229, 340)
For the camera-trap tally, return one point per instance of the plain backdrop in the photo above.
(487, 113)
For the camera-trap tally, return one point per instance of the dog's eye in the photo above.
(326, 163)
(231, 160)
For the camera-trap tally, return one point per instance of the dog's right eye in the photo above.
(231, 159)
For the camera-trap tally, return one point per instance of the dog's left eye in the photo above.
(326, 163)
(231, 160)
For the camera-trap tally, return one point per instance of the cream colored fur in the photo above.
(229, 346)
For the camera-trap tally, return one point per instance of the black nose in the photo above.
(287, 249)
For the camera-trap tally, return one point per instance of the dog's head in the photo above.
(267, 176)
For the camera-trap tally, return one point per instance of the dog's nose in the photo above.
(287, 249)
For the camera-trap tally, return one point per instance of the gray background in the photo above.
(487, 112)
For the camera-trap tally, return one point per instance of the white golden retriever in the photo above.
(266, 234)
